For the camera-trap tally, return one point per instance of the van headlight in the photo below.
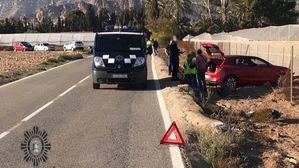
(139, 61)
(98, 62)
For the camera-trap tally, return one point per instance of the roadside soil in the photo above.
(268, 121)
(185, 112)
(16, 65)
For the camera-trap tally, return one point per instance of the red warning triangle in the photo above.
(173, 136)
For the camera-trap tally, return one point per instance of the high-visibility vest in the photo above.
(149, 43)
(188, 70)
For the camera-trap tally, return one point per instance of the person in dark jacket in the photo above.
(175, 60)
(201, 62)
(167, 52)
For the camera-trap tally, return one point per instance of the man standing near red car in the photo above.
(201, 63)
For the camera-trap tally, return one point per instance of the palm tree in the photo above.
(177, 8)
(153, 8)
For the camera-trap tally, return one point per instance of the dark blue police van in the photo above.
(119, 58)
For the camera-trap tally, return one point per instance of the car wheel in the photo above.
(230, 84)
(96, 86)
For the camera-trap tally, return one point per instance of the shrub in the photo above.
(63, 58)
(218, 148)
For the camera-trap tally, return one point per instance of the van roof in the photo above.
(128, 33)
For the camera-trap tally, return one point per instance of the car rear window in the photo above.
(78, 42)
(213, 50)
(119, 42)
(26, 44)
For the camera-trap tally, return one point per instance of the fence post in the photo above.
(268, 52)
(248, 52)
(189, 44)
(257, 50)
(242, 49)
(292, 69)
(283, 56)
(236, 48)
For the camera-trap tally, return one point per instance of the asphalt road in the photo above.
(110, 127)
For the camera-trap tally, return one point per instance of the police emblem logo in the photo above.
(119, 58)
(36, 146)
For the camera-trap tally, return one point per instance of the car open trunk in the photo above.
(214, 63)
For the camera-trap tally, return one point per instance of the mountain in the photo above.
(53, 8)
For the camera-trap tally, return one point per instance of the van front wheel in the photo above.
(96, 86)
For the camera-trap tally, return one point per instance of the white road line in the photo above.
(3, 134)
(14, 82)
(83, 79)
(37, 111)
(41, 108)
(68, 90)
(175, 153)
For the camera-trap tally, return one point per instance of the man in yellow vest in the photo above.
(190, 70)
(149, 46)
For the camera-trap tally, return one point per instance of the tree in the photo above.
(139, 18)
(91, 19)
(153, 8)
(177, 8)
(59, 25)
(275, 12)
(75, 21)
(46, 25)
(105, 19)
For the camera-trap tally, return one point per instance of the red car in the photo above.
(22, 46)
(233, 71)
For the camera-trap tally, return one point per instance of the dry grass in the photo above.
(219, 149)
(16, 65)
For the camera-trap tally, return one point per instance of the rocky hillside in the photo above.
(53, 8)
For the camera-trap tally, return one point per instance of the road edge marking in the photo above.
(2, 135)
(175, 153)
(40, 73)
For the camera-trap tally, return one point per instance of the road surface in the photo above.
(86, 128)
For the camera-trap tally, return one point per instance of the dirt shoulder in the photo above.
(185, 112)
(17, 65)
(265, 124)
(180, 104)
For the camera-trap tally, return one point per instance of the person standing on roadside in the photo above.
(167, 52)
(201, 63)
(149, 46)
(190, 70)
(175, 60)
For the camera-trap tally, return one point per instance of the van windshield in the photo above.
(119, 42)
